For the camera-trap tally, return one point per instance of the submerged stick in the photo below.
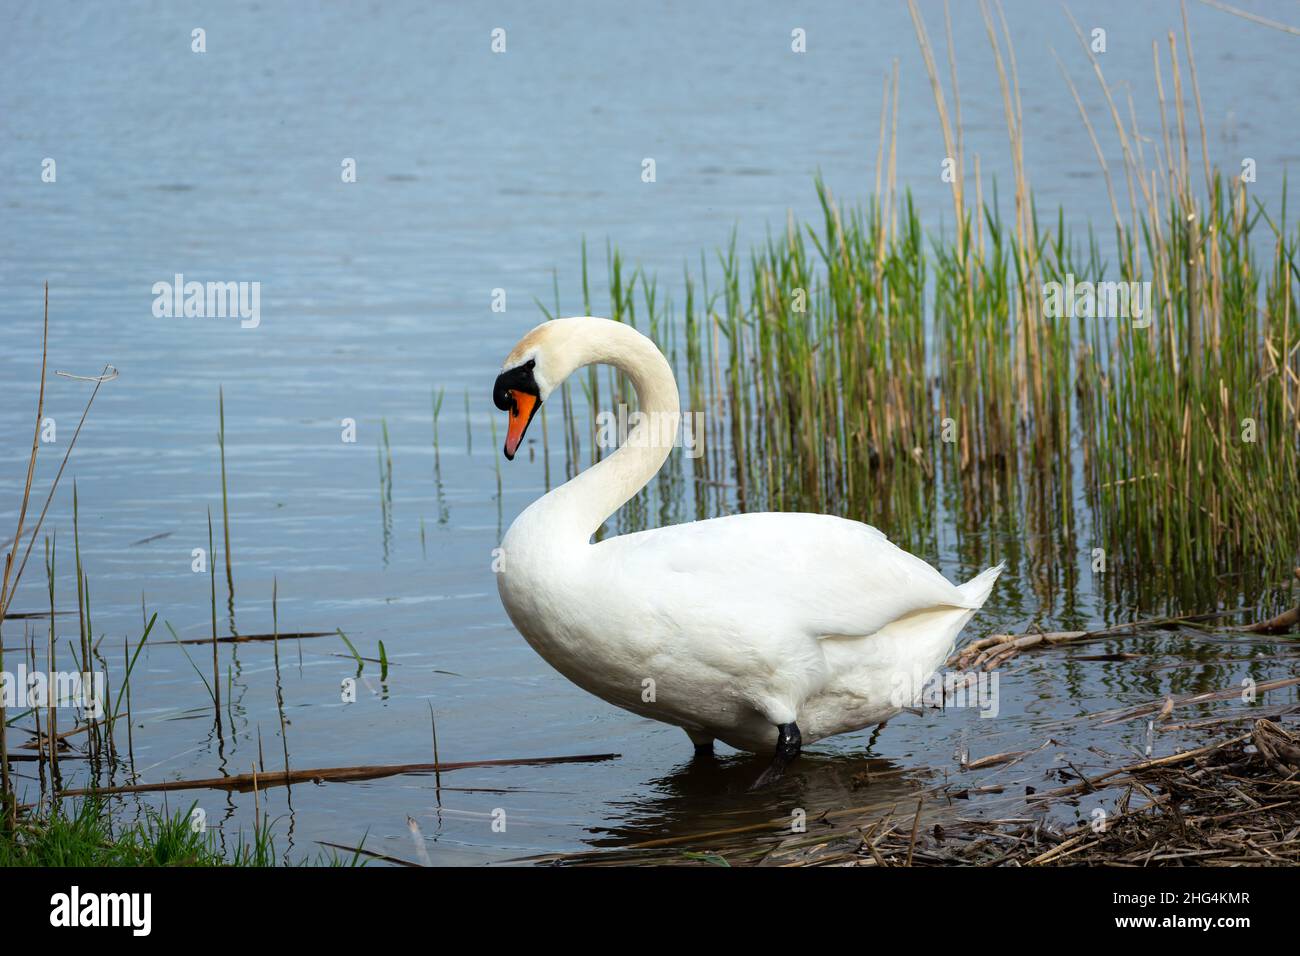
(246, 781)
(247, 638)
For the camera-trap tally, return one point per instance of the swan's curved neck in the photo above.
(581, 505)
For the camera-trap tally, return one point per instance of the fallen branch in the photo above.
(245, 782)
(994, 759)
(1284, 623)
(1166, 705)
(989, 652)
(1109, 778)
(246, 638)
(1278, 747)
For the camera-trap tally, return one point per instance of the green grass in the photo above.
(84, 835)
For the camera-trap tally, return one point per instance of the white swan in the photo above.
(760, 630)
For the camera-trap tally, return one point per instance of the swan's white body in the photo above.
(730, 627)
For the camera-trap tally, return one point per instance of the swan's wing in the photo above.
(816, 574)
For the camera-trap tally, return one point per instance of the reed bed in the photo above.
(856, 365)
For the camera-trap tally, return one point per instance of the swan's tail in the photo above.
(976, 591)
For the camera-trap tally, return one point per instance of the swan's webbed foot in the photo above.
(788, 743)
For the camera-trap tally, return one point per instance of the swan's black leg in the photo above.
(703, 745)
(788, 742)
(875, 734)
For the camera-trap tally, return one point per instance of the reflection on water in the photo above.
(711, 797)
(478, 173)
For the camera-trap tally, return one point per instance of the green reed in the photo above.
(225, 507)
(857, 365)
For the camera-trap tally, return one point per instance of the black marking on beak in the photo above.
(518, 378)
(510, 384)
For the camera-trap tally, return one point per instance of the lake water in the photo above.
(475, 172)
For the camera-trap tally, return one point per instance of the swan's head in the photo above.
(550, 353)
(536, 365)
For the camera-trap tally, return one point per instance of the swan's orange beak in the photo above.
(523, 407)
